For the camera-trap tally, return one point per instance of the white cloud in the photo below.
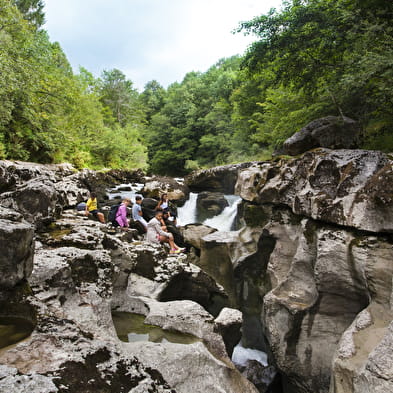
(151, 39)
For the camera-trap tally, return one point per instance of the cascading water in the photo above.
(187, 214)
(125, 191)
(224, 221)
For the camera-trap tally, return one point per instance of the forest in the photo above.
(310, 58)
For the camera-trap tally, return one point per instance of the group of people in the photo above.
(156, 229)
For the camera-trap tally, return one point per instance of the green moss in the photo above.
(256, 215)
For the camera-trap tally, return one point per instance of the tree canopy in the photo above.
(311, 58)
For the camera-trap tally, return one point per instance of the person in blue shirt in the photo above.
(137, 214)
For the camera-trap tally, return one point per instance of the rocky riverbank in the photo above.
(311, 271)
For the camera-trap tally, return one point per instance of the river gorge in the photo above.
(286, 286)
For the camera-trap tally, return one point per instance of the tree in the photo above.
(32, 11)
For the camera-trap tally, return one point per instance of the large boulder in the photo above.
(331, 132)
(218, 179)
(157, 186)
(200, 366)
(352, 188)
(210, 204)
(193, 234)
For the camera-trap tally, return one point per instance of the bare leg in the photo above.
(101, 217)
(164, 239)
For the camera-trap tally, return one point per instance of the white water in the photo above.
(188, 212)
(224, 221)
(135, 190)
(241, 355)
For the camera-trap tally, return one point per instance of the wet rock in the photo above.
(331, 132)
(228, 324)
(218, 179)
(261, 376)
(194, 363)
(157, 186)
(345, 187)
(210, 204)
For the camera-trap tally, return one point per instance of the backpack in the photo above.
(113, 214)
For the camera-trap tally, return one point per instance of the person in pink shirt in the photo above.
(121, 215)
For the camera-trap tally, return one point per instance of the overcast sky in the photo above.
(150, 39)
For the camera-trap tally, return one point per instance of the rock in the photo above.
(228, 324)
(14, 173)
(210, 204)
(352, 188)
(157, 186)
(17, 251)
(149, 208)
(221, 251)
(330, 132)
(193, 233)
(218, 179)
(315, 280)
(261, 376)
(194, 363)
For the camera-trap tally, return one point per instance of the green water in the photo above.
(13, 330)
(131, 328)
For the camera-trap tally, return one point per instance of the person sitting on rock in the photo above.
(156, 234)
(137, 214)
(170, 226)
(92, 208)
(163, 203)
(121, 215)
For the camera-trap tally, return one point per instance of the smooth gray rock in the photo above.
(228, 324)
(193, 233)
(331, 132)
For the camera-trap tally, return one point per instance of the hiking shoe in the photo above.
(174, 252)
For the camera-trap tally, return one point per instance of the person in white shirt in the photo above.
(156, 234)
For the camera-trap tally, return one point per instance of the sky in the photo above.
(151, 39)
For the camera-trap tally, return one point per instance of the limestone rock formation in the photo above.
(331, 132)
(82, 271)
(352, 188)
(323, 268)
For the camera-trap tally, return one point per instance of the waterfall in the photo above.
(224, 221)
(187, 214)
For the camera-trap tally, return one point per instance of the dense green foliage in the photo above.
(312, 58)
(48, 114)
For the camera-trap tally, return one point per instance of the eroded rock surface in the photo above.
(81, 272)
(352, 188)
(324, 271)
